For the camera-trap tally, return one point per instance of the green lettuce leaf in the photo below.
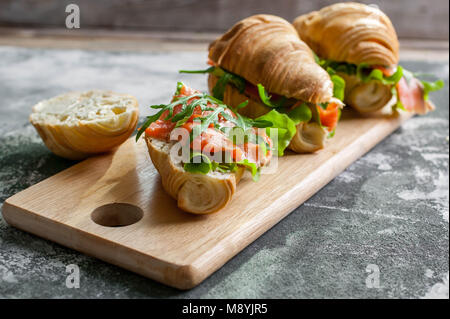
(201, 164)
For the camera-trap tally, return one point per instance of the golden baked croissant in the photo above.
(264, 52)
(359, 43)
(206, 125)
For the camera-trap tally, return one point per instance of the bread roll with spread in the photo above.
(262, 60)
(76, 125)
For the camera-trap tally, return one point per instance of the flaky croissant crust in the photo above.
(266, 49)
(310, 137)
(350, 32)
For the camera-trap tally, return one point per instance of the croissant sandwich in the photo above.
(201, 148)
(359, 43)
(76, 125)
(262, 60)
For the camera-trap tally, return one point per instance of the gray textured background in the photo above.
(389, 208)
(212, 15)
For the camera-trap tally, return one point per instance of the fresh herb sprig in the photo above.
(204, 165)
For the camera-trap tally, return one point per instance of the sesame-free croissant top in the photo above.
(350, 32)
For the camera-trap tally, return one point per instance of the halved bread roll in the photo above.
(194, 193)
(76, 125)
(310, 137)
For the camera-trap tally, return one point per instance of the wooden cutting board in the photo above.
(166, 244)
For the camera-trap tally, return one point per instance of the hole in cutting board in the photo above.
(117, 214)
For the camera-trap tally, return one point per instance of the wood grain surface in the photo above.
(168, 245)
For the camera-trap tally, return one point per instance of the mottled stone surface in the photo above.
(390, 208)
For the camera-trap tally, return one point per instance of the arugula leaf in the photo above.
(201, 164)
(377, 75)
(286, 129)
(265, 98)
(363, 71)
(245, 123)
(242, 105)
(163, 108)
(236, 134)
